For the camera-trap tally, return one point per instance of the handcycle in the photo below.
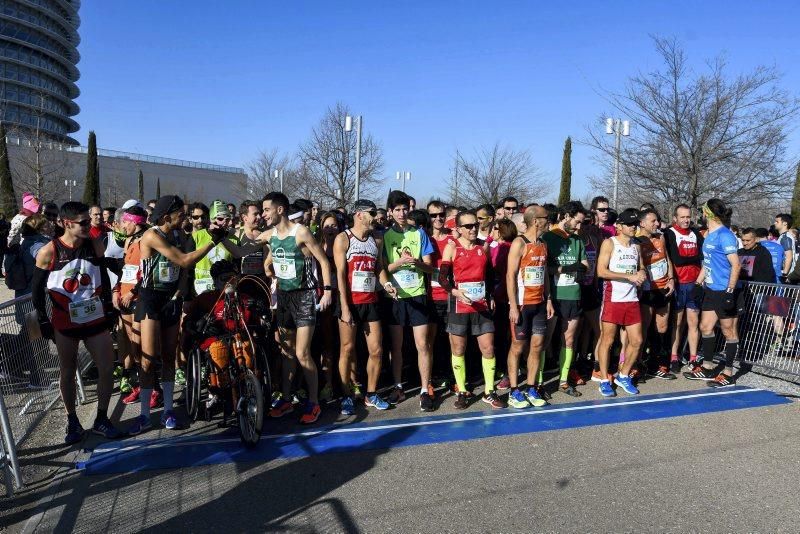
(227, 367)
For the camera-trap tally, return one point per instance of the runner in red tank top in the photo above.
(359, 270)
(466, 273)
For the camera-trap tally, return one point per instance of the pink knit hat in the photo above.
(30, 203)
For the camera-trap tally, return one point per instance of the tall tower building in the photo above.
(38, 58)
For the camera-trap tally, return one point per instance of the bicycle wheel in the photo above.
(193, 383)
(250, 409)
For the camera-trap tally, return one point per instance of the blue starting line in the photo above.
(177, 452)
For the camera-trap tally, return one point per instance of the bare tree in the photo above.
(261, 174)
(700, 135)
(328, 160)
(494, 173)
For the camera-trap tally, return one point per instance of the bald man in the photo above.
(530, 305)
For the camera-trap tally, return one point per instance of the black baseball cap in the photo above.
(364, 205)
(166, 205)
(628, 217)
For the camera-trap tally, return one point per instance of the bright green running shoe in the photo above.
(117, 372)
(125, 385)
(358, 393)
(326, 393)
(180, 377)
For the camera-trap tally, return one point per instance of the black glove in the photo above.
(217, 235)
(572, 268)
(697, 293)
(728, 300)
(46, 328)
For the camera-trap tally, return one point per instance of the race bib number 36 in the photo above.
(86, 311)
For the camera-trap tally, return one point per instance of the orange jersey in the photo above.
(530, 277)
(654, 257)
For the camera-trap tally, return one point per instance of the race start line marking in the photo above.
(176, 452)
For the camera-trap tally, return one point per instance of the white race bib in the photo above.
(86, 311)
(284, 268)
(201, 285)
(363, 282)
(533, 276)
(435, 278)
(565, 279)
(406, 279)
(130, 274)
(168, 271)
(474, 291)
(658, 270)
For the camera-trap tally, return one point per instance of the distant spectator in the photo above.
(30, 205)
(98, 228)
(108, 215)
(35, 233)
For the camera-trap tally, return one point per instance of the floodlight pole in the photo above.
(403, 177)
(348, 126)
(618, 128)
(279, 175)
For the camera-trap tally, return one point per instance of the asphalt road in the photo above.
(725, 471)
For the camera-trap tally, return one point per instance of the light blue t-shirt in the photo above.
(716, 247)
(776, 251)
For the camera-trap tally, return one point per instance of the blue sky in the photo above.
(218, 81)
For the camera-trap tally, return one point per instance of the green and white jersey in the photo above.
(414, 243)
(202, 271)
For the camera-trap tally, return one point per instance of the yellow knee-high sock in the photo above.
(541, 368)
(459, 371)
(488, 373)
(565, 362)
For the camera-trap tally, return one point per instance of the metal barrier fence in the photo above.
(769, 329)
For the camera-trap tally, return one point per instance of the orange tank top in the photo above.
(530, 277)
(131, 270)
(654, 257)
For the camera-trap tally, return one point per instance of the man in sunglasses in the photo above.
(510, 207)
(600, 208)
(220, 218)
(620, 265)
(70, 269)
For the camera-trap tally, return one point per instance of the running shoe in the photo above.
(376, 402)
(606, 390)
(103, 427)
(517, 399)
(280, 408)
(456, 389)
(720, 381)
(699, 372)
(431, 391)
(180, 377)
(493, 400)
(358, 392)
(133, 397)
(300, 397)
(326, 393)
(461, 402)
(156, 399)
(425, 402)
(169, 420)
(569, 389)
(635, 374)
(663, 373)
(310, 413)
(125, 386)
(74, 430)
(543, 393)
(397, 395)
(117, 372)
(597, 378)
(675, 368)
(348, 406)
(504, 383)
(140, 424)
(626, 383)
(576, 378)
(533, 397)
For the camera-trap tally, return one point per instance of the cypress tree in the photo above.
(140, 186)
(8, 200)
(158, 188)
(566, 173)
(796, 197)
(91, 192)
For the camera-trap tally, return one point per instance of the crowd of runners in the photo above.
(607, 297)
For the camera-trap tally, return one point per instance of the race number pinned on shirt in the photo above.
(533, 276)
(86, 311)
(130, 274)
(168, 271)
(658, 270)
(363, 282)
(474, 291)
(284, 268)
(566, 279)
(201, 285)
(435, 278)
(406, 279)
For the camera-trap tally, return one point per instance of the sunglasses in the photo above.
(437, 215)
(470, 226)
(222, 219)
(196, 217)
(83, 223)
(601, 210)
(510, 208)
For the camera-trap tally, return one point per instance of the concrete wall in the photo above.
(118, 176)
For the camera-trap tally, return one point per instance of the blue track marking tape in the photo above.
(187, 451)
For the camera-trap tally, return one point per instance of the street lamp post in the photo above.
(348, 126)
(617, 127)
(70, 184)
(403, 177)
(279, 176)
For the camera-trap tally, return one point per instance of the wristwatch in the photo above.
(327, 288)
